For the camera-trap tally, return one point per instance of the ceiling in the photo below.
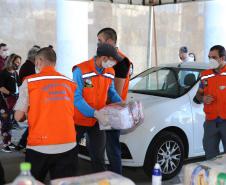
(147, 2)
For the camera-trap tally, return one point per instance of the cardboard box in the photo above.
(103, 178)
(210, 172)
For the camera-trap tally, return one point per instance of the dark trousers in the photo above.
(214, 132)
(2, 175)
(113, 149)
(58, 165)
(23, 139)
(6, 127)
(7, 123)
(96, 140)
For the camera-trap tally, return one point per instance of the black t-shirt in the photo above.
(28, 68)
(9, 80)
(122, 68)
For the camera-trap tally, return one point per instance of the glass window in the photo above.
(168, 82)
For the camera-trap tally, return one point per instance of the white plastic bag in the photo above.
(122, 116)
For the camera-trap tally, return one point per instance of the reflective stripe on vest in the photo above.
(212, 75)
(88, 75)
(207, 76)
(48, 78)
(108, 75)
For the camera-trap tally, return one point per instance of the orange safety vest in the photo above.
(51, 108)
(215, 85)
(95, 90)
(126, 84)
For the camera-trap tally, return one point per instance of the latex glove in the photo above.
(101, 117)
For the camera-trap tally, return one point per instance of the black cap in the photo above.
(183, 49)
(109, 51)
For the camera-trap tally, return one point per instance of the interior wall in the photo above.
(177, 25)
(71, 27)
(131, 24)
(25, 23)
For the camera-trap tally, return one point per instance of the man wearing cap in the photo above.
(95, 80)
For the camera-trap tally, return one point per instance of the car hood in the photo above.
(149, 100)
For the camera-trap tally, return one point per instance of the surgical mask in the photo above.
(213, 63)
(37, 70)
(4, 54)
(108, 64)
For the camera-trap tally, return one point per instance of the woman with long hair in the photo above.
(9, 81)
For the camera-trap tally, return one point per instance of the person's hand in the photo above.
(208, 99)
(101, 117)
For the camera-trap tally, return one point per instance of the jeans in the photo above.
(113, 149)
(96, 140)
(214, 132)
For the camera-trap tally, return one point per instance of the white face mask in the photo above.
(108, 63)
(37, 67)
(37, 70)
(4, 54)
(213, 63)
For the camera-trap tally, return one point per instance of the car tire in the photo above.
(168, 150)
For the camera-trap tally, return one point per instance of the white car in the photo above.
(173, 125)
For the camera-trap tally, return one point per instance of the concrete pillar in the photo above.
(215, 26)
(72, 34)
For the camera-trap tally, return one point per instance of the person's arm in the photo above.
(201, 98)
(121, 71)
(113, 95)
(20, 116)
(4, 90)
(79, 101)
(22, 103)
(119, 84)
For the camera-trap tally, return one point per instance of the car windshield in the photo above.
(169, 82)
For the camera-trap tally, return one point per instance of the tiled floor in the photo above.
(12, 160)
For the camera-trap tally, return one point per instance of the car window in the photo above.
(168, 82)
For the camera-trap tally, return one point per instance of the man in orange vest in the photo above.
(47, 99)
(95, 80)
(212, 92)
(123, 70)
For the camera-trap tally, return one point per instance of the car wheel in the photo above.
(167, 150)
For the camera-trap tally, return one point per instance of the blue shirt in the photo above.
(80, 102)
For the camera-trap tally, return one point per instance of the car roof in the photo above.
(192, 65)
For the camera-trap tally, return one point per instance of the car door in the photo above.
(198, 117)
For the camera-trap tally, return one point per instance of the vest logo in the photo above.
(222, 87)
(205, 83)
(88, 83)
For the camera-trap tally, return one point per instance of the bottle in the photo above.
(25, 177)
(156, 175)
